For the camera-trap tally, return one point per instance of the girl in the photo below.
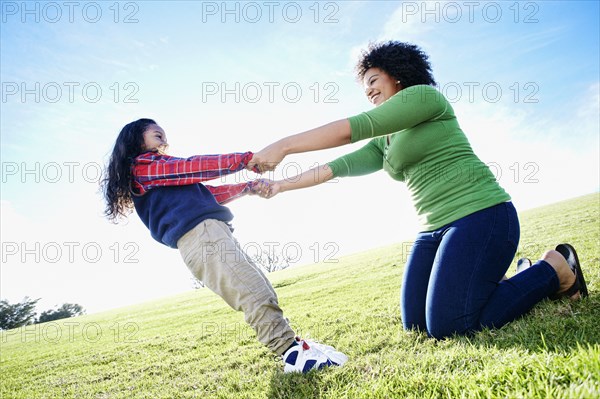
(182, 213)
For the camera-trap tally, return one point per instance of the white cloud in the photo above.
(405, 26)
(590, 105)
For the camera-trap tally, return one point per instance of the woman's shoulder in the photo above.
(429, 96)
(427, 92)
(419, 94)
(420, 97)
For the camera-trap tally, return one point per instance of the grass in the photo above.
(193, 346)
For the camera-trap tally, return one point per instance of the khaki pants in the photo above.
(214, 257)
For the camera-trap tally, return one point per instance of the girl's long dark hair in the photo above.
(116, 181)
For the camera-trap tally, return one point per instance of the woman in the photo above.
(470, 230)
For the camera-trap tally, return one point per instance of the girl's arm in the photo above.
(151, 170)
(333, 134)
(228, 192)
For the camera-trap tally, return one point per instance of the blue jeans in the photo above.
(452, 277)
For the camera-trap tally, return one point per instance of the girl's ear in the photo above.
(142, 147)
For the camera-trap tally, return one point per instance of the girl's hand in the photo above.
(266, 188)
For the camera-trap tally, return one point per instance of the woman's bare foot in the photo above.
(566, 277)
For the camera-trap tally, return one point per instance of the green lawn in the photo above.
(194, 346)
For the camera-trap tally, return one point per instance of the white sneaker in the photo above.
(307, 355)
(523, 264)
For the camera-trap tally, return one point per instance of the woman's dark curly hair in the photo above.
(402, 61)
(116, 181)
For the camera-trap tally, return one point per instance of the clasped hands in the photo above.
(263, 161)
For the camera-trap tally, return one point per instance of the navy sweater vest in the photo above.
(170, 212)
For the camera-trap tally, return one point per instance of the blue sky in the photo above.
(523, 78)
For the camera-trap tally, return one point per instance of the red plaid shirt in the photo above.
(152, 169)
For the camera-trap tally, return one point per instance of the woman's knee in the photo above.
(439, 332)
(413, 326)
(439, 326)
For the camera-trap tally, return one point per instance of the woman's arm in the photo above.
(366, 160)
(333, 134)
(312, 177)
(406, 109)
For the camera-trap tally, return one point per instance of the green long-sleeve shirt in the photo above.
(416, 139)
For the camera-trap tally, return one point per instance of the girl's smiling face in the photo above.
(379, 86)
(155, 139)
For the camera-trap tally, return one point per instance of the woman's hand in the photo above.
(333, 134)
(267, 159)
(266, 188)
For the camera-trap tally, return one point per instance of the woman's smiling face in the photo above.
(379, 86)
